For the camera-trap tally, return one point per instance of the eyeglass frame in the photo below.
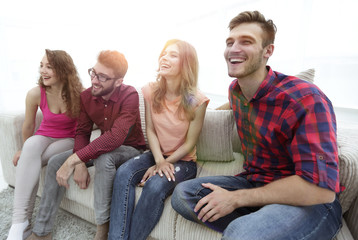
(98, 76)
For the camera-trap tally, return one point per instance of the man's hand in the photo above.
(66, 170)
(215, 205)
(81, 176)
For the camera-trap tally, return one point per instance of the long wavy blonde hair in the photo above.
(189, 67)
(66, 72)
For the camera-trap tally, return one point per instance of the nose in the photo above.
(235, 47)
(163, 57)
(42, 69)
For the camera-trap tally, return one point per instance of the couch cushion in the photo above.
(307, 75)
(215, 140)
(211, 168)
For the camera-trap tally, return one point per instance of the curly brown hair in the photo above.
(189, 66)
(66, 72)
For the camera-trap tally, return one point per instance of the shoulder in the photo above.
(148, 89)
(126, 92)
(127, 89)
(34, 93)
(201, 97)
(85, 94)
(296, 88)
(301, 96)
(33, 97)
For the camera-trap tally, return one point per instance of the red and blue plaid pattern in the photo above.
(287, 128)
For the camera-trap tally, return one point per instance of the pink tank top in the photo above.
(55, 125)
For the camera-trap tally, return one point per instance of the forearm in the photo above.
(291, 190)
(74, 160)
(154, 146)
(181, 152)
(27, 130)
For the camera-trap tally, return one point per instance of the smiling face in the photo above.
(169, 62)
(47, 72)
(244, 54)
(104, 89)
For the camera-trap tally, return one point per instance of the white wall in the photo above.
(311, 33)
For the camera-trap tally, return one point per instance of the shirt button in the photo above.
(105, 119)
(105, 105)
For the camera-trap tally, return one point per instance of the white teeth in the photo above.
(164, 66)
(236, 60)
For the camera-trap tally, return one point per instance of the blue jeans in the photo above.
(274, 221)
(106, 166)
(128, 221)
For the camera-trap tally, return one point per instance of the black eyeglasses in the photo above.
(100, 78)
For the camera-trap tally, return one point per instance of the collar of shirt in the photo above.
(263, 89)
(266, 84)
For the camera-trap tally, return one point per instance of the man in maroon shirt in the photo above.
(114, 108)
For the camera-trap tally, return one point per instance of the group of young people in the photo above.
(290, 184)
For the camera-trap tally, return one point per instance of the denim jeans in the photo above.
(136, 222)
(274, 221)
(106, 166)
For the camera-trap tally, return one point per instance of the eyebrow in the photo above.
(100, 73)
(171, 51)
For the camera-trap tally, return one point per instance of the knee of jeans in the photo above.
(155, 186)
(175, 200)
(103, 162)
(121, 177)
(53, 164)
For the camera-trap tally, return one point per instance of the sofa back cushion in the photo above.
(215, 140)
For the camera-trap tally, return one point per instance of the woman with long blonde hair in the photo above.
(58, 97)
(175, 111)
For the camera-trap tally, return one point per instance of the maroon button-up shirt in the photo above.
(118, 119)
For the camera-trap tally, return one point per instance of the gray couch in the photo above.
(218, 152)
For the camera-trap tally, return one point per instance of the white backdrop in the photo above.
(320, 34)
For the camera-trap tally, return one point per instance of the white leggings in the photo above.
(35, 153)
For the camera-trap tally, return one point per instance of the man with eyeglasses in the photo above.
(114, 108)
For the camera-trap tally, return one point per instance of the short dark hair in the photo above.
(268, 27)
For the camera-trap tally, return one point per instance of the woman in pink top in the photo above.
(175, 111)
(58, 96)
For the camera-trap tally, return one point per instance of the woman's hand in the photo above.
(16, 158)
(149, 173)
(162, 168)
(167, 169)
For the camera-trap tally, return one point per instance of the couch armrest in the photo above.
(348, 164)
(351, 219)
(11, 141)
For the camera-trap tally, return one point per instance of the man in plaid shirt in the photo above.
(287, 127)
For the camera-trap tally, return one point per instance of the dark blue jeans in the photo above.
(271, 222)
(130, 221)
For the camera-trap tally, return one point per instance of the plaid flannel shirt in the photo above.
(287, 128)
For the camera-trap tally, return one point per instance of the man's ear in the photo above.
(268, 51)
(118, 82)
